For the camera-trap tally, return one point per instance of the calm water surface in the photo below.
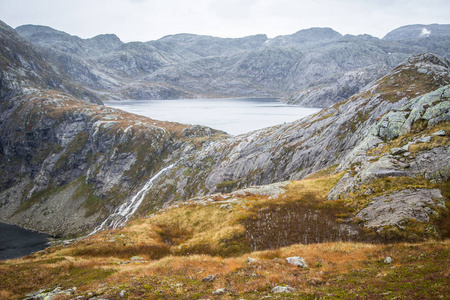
(17, 242)
(234, 116)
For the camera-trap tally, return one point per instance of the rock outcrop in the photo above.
(395, 208)
(330, 90)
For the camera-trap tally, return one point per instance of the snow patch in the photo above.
(425, 32)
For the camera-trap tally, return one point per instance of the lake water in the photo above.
(233, 115)
(17, 242)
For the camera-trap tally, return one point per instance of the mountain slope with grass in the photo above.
(234, 246)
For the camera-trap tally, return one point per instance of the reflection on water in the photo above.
(235, 116)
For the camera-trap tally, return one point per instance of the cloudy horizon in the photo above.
(145, 20)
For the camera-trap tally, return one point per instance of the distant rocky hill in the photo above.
(417, 32)
(23, 66)
(312, 67)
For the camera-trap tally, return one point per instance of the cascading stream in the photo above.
(127, 209)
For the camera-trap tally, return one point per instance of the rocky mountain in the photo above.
(305, 68)
(389, 142)
(23, 66)
(67, 163)
(294, 150)
(336, 88)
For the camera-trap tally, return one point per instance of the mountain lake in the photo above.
(17, 242)
(232, 115)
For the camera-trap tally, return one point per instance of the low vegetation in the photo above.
(338, 270)
(166, 255)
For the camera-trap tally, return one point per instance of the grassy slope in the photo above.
(183, 244)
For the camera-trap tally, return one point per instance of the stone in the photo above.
(397, 151)
(251, 260)
(439, 133)
(137, 258)
(403, 164)
(406, 147)
(384, 167)
(225, 206)
(297, 261)
(424, 139)
(282, 289)
(41, 294)
(219, 291)
(209, 278)
(272, 190)
(388, 260)
(393, 208)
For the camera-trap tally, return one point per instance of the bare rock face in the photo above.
(433, 164)
(395, 208)
(333, 89)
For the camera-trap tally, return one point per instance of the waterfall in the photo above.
(121, 215)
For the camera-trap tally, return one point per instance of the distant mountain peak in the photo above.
(410, 32)
(315, 34)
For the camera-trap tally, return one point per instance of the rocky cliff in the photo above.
(22, 66)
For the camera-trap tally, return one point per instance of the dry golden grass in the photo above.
(5, 294)
(181, 276)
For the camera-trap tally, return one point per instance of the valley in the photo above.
(147, 208)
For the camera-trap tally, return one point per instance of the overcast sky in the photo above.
(144, 20)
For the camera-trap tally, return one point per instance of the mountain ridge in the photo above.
(189, 65)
